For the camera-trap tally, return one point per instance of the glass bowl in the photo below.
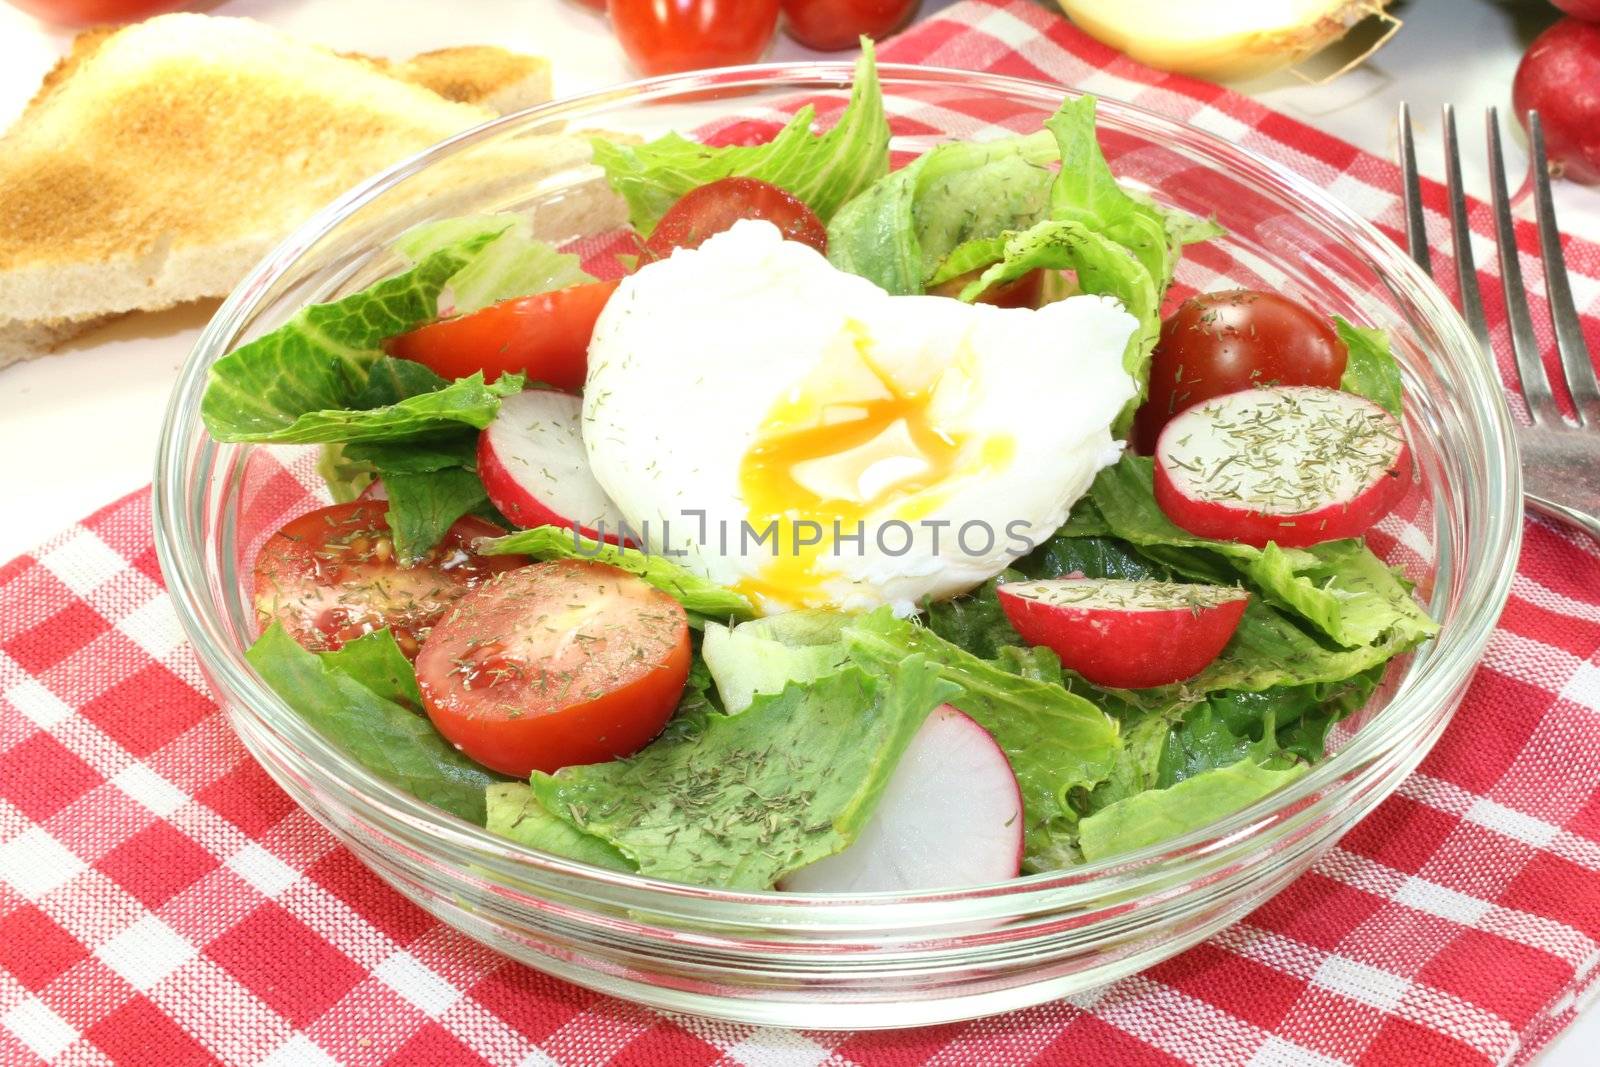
(882, 960)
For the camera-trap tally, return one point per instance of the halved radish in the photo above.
(1123, 634)
(950, 816)
(534, 468)
(1293, 464)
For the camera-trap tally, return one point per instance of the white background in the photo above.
(79, 429)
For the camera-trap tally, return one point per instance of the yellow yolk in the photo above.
(842, 445)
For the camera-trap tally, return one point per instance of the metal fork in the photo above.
(1560, 460)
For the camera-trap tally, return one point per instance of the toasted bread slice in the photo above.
(160, 161)
(485, 75)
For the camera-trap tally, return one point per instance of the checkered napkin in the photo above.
(162, 902)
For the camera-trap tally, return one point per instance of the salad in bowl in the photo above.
(845, 523)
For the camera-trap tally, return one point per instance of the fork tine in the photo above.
(1411, 189)
(1461, 238)
(1524, 343)
(1563, 313)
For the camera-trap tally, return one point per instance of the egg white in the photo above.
(698, 357)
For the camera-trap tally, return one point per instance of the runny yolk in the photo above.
(877, 445)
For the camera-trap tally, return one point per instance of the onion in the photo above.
(1221, 39)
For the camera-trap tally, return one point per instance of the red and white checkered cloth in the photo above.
(162, 902)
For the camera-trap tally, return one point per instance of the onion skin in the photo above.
(1229, 56)
(1559, 77)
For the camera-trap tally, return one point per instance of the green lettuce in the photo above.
(512, 264)
(695, 593)
(764, 655)
(514, 812)
(1371, 370)
(343, 696)
(1058, 743)
(900, 231)
(430, 483)
(824, 170)
(751, 797)
(375, 660)
(1153, 816)
(318, 362)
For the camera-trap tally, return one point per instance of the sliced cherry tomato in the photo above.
(331, 576)
(545, 336)
(555, 664)
(665, 36)
(1023, 292)
(832, 25)
(1219, 343)
(712, 208)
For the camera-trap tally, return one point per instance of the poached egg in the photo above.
(793, 432)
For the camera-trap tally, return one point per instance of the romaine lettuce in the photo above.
(750, 797)
(1371, 370)
(339, 693)
(824, 170)
(697, 595)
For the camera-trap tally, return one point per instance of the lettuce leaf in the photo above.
(1058, 743)
(1153, 816)
(1371, 370)
(320, 360)
(430, 482)
(900, 231)
(824, 170)
(513, 811)
(375, 660)
(512, 264)
(341, 697)
(764, 655)
(748, 798)
(695, 593)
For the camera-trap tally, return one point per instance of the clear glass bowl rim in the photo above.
(1494, 537)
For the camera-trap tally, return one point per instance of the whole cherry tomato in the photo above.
(1218, 343)
(94, 12)
(834, 25)
(665, 36)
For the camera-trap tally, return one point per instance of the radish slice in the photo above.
(950, 816)
(534, 468)
(1293, 464)
(1122, 634)
(374, 491)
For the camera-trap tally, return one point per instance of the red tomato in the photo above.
(545, 336)
(555, 664)
(712, 208)
(1023, 292)
(666, 36)
(94, 12)
(331, 576)
(833, 25)
(1219, 343)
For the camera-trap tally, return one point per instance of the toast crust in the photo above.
(159, 161)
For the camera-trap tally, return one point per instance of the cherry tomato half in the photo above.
(555, 664)
(715, 206)
(1218, 343)
(545, 336)
(331, 576)
(833, 25)
(666, 36)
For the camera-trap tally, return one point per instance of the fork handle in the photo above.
(1562, 513)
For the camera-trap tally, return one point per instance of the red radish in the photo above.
(1123, 634)
(949, 817)
(1295, 464)
(534, 468)
(374, 491)
(1559, 77)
